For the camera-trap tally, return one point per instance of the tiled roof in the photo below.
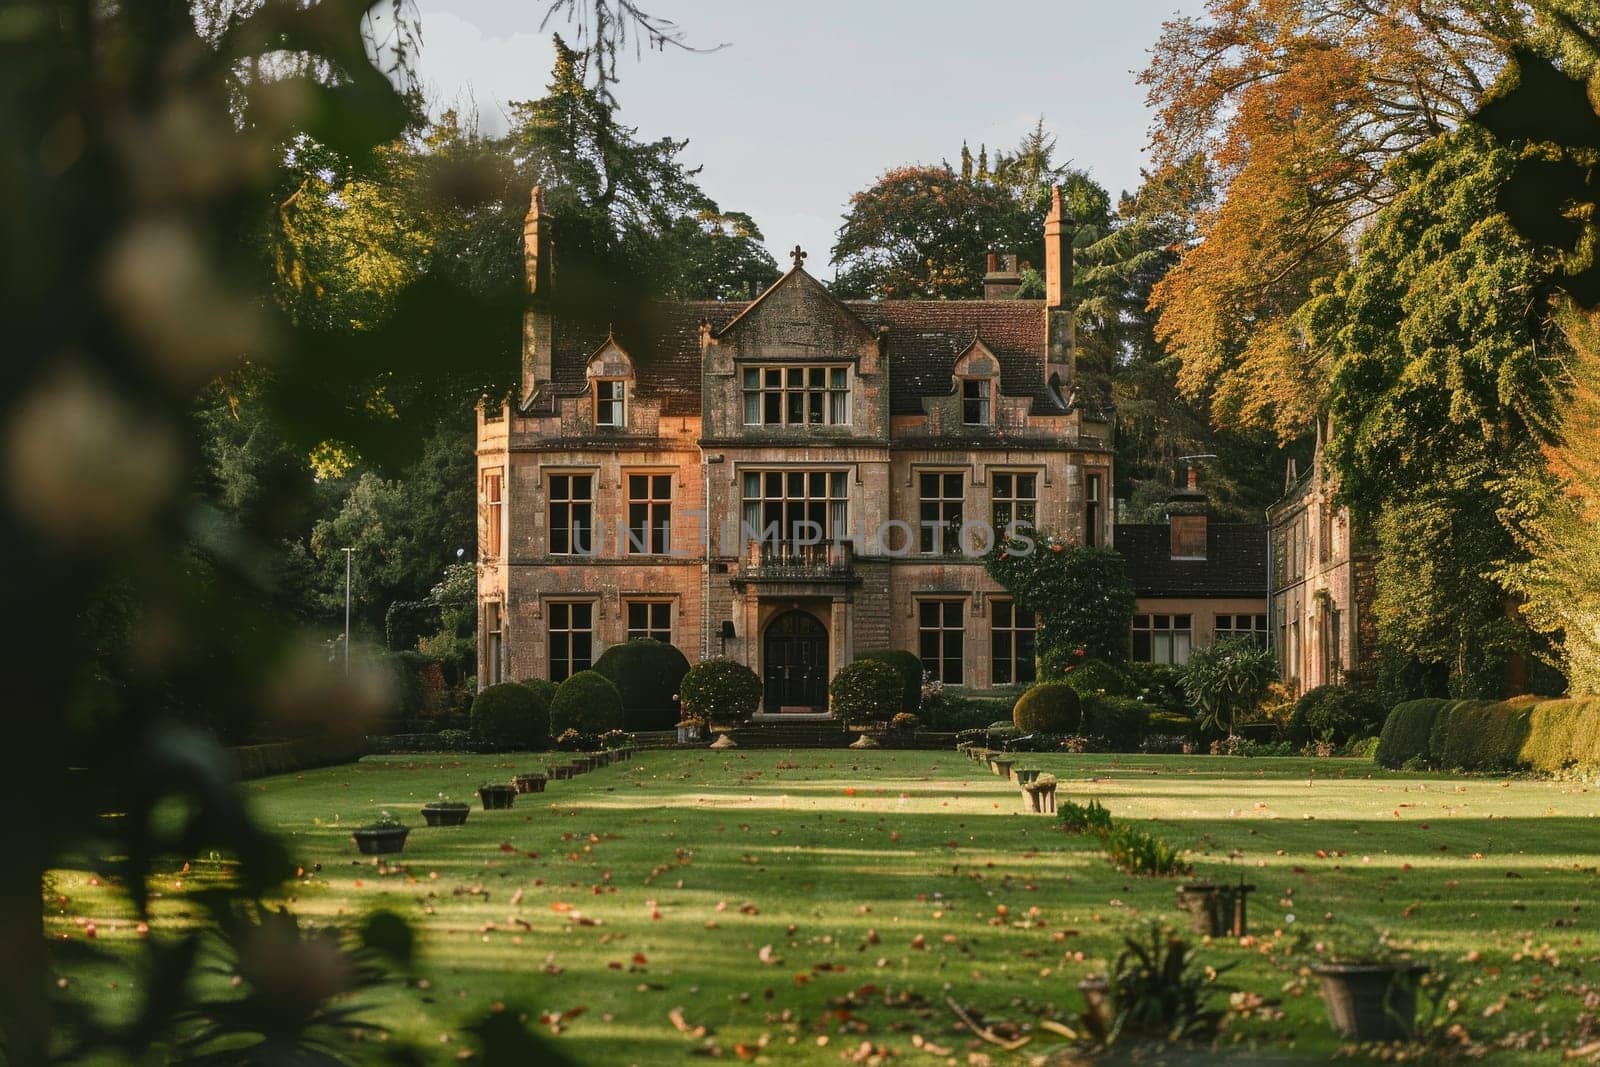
(925, 337)
(1235, 563)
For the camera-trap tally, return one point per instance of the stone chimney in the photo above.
(1002, 279)
(1058, 227)
(1186, 513)
(538, 330)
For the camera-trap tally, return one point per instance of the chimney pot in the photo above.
(1194, 478)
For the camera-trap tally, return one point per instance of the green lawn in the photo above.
(655, 885)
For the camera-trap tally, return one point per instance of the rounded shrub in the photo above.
(511, 717)
(1049, 708)
(1405, 732)
(586, 702)
(720, 691)
(647, 673)
(1481, 735)
(1118, 721)
(542, 688)
(866, 691)
(1335, 713)
(909, 664)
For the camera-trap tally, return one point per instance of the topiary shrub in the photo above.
(647, 673)
(1335, 713)
(587, 702)
(1118, 722)
(909, 664)
(1159, 685)
(511, 717)
(1481, 735)
(866, 691)
(1405, 732)
(720, 691)
(542, 688)
(1563, 736)
(1094, 676)
(1049, 707)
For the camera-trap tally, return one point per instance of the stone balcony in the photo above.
(766, 561)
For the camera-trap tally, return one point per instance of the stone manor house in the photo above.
(785, 481)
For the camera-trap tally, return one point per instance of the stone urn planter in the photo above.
(1371, 1001)
(528, 783)
(380, 838)
(1024, 775)
(1001, 766)
(689, 731)
(1041, 794)
(1215, 910)
(445, 813)
(1097, 1003)
(497, 795)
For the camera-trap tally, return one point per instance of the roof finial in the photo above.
(799, 255)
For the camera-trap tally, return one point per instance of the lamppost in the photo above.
(348, 553)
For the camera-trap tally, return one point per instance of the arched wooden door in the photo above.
(794, 663)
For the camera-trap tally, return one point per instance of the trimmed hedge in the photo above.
(721, 692)
(511, 717)
(1406, 730)
(866, 691)
(282, 757)
(1476, 735)
(1335, 713)
(587, 702)
(1564, 736)
(953, 713)
(647, 673)
(909, 664)
(1049, 708)
(1118, 721)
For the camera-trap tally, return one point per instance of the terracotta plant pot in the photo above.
(1215, 910)
(528, 783)
(376, 841)
(445, 814)
(497, 796)
(1371, 1001)
(582, 764)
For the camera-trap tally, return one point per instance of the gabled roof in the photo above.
(1235, 563)
(925, 339)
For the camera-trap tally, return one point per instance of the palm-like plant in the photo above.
(1227, 678)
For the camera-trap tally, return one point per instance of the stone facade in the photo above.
(782, 465)
(1322, 583)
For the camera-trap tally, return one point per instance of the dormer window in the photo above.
(975, 401)
(610, 402)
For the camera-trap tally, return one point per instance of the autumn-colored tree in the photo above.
(1296, 107)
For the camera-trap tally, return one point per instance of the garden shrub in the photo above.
(1160, 685)
(1406, 730)
(1097, 676)
(1136, 851)
(1334, 713)
(1118, 721)
(587, 702)
(909, 664)
(1563, 736)
(866, 691)
(720, 691)
(1483, 736)
(511, 717)
(647, 673)
(1363, 748)
(1172, 723)
(1049, 707)
(1091, 818)
(542, 688)
(952, 713)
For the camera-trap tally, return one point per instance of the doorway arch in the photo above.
(794, 663)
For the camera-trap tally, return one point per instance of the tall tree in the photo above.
(1297, 106)
(1445, 384)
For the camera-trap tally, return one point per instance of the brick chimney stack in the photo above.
(1002, 279)
(1186, 514)
(538, 333)
(1058, 227)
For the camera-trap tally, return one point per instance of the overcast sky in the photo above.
(810, 101)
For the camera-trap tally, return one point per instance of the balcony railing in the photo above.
(781, 561)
